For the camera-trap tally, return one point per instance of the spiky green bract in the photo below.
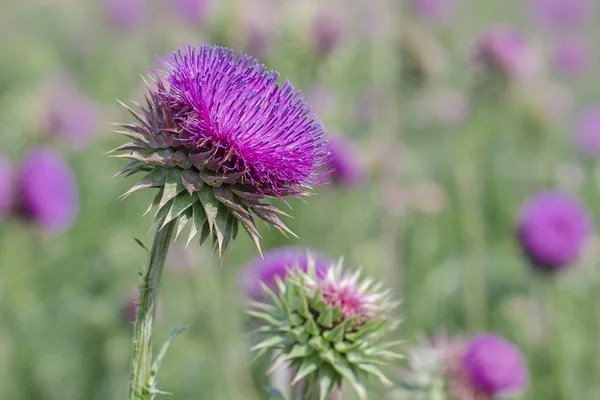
(328, 329)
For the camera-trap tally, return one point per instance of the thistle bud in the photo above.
(328, 329)
(218, 134)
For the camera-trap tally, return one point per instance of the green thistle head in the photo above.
(329, 329)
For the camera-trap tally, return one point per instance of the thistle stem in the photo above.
(141, 359)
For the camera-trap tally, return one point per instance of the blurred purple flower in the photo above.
(433, 10)
(553, 230)
(586, 132)
(47, 190)
(571, 56)
(326, 33)
(562, 13)
(505, 51)
(193, 11)
(345, 162)
(127, 13)
(70, 115)
(6, 186)
(495, 365)
(277, 263)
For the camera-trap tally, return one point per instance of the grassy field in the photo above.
(449, 159)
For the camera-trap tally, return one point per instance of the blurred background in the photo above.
(447, 115)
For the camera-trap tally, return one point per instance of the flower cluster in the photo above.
(328, 329)
(42, 190)
(218, 135)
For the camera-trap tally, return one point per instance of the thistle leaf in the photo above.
(172, 187)
(183, 221)
(306, 368)
(181, 203)
(225, 196)
(191, 180)
(250, 227)
(220, 227)
(204, 234)
(198, 220)
(274, 220)
(156, 178)
(210, 204)
(373, 370)
(155, 202)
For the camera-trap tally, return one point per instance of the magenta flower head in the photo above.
(562, 13)
(218, 135)
(553, 230)
(127, 13)
(326, 33)
(433, 10)
(329, 329)
(193, 11)
(494, 365)
(572, 56)
(503, 52)
(70, 115)
(6, 186)
(345, 162)
(276, 264)
(47, 191)
(586, 133)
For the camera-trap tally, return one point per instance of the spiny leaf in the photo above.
(155, 202)
(210, 204)
(204, 234)
(139, 242)
(225, 196)
(306, 368)
(220, 227)
(250, 227)
(191, 180)
(373, 370)
(172, 187)
(156, 178)
(180, 203)
(183, 221)
(198, 220)
(230, 231)
(271, 342)
(274, 220)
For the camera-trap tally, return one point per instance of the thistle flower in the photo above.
(217, 136)
(553, 230)
(494, 365)
(345, 162)
(572, 56)
(277, 264)
(504, 52)
(6, 186)
(452, 368)
(433, 10)
(586, 133)
(562, 13)
(328, 329)
(47, 190)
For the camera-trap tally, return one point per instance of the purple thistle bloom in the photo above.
(193, 11)
(562, 13)
(47, 190)
(571, 56)
(495, 365)
(553, 229)
(345, 162)
(6, 186)
(433, 10)
(70, 115)
(587, 131)
(277, 263)
(127, 13)
(505, 51)
(326, 33)
(230, 109)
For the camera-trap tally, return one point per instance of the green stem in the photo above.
(141, 359)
